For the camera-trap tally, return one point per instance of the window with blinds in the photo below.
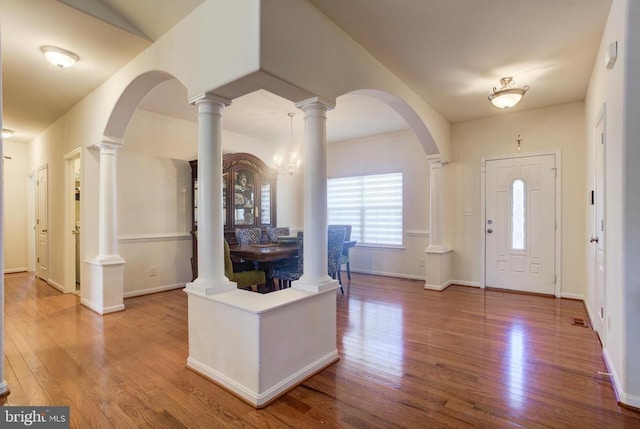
(372, 205)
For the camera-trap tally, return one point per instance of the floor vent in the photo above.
(577, 321)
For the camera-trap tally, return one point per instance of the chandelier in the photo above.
(291, 164)
(507, 96)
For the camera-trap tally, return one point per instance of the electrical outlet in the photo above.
(153, 271)
(468, 212)
(609, 321)
(421, 262)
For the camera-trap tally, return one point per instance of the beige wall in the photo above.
(15, 208)
(385, 154)
(616, 92)
(544, 130)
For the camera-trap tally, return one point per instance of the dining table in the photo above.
(265, 253)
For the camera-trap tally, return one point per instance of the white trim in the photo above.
(466, 283)
(622, 396)
(438, 288)
(558, 210)
(417, 233)
(261, 399)
(15, 270)
(56, 285)
(149, 238)
(568, 295)
(157, 289)
(100, 310)
(387, 274)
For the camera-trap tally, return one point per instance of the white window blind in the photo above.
(372, 205)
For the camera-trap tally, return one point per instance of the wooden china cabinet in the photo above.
(248, 197)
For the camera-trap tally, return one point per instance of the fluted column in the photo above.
(107, 216)
(315, 277)
(211, 278)
(435, 205)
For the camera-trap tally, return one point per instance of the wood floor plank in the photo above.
(409, 357)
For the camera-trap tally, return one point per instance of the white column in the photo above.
(315, 277)
(103, 288)
(107, 216)
(435, 206)
(437, 255)
(211, 278)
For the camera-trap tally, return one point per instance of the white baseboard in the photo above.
(578, 296)
(102, 311)
(386, 274)
(157, 289)
(465, 283)
(260, 399)
(623, 397)
(56, 285)
(15, 270)
(438, 288)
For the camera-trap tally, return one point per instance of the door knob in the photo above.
(593, 239)
(489, 231)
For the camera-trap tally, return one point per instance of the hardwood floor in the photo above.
(411, 358)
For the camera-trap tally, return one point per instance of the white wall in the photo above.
(619, 91)
(385, 154)
(555, 128)
(15, 206)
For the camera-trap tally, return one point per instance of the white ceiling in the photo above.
(450, 52)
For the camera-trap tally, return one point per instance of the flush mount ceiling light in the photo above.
(59, 57)
(6, 133)
(507, 96)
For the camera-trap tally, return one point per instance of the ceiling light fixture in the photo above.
(293, 164)
(507, 96)
(59, 57)
(6, 133)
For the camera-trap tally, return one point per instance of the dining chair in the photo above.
(334, 246)
(244, 279)
(248, 235)
(274, 232)
(344, 257)
(290, 269)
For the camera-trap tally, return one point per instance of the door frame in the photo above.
(37, 225)
(69, 222)
(558, 213)
(598, 323)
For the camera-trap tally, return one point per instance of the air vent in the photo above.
(578, 321)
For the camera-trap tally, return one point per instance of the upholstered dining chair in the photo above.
(244, 279)
(248, 235)
(274, 232)
(334, 246)
(289, 270)
(344, 257)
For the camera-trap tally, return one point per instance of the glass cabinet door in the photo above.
(265, 203)
(244, 197)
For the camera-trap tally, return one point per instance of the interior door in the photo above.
(42, 223)
(597, 239)
(520, 224)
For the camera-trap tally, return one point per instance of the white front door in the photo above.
(42, 224)
(520, 223)
(597, 239)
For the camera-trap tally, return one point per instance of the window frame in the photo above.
(365, 209)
